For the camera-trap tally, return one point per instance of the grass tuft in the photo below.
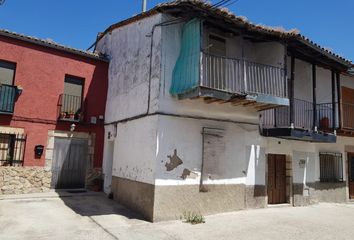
(193, 217)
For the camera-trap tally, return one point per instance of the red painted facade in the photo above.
(41, 71)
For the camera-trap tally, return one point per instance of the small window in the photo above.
(217, 45)
(72, 97)
(12, 148)
(7, 72)
(73, 86)
(331, 167)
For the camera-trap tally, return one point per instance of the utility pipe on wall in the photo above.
(144, 5)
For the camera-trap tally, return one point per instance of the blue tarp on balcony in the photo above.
(186, 72)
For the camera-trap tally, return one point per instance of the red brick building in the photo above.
(52, 104)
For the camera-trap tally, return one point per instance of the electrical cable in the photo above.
(233, 2)
(220, 3)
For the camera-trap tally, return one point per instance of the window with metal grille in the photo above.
(70, 102)
(12, 148)
(7, 72)
(331, 167)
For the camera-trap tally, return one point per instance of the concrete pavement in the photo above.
(93, 216)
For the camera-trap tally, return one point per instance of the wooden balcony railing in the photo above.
(242, 77)
(70, 108)
(7, 98)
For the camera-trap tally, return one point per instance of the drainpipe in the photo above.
(334, 100)
(291, 90)
(339, 101)
(244, 76)
(314, 98)
(144, 5)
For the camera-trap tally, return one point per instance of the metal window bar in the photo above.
(303, 114)
(7, 98)
(70, 107)
(331, 167)
(280, 117)
(12, 149)
(325, 117)
(243, 77)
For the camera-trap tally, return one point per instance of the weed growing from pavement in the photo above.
(193, 217)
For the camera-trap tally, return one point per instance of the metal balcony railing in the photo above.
(303, 116)
(325, 120)
(70, 108)
(241, 76)
(7, 98)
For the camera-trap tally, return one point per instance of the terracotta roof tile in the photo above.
(51, 44)
(228, 16)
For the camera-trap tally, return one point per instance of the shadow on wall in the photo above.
(304, 174)
(93, 106)
(69, 166)
(255, 172)
(5, 120)
(327, 185)
(70, 163)
(95, 103)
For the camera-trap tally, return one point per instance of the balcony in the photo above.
(241, 82)
(70, 108)
(8, 95)
(315, 123)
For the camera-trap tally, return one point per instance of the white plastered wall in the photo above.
(130, 154)
(269, 53)
(135, 150)
(244, 159)
(241, 163)
(128, 48)
(324, 86)
(299, 150)
(347, 81)
(142, 146)
(108, 155)
(303, 80)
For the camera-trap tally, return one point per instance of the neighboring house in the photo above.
(52, 104)
(207, 112)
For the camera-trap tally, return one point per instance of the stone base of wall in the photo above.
(256, 196)
(319, 192)
(135, 195)
(19, 180)
(160, 203)
(172, 201)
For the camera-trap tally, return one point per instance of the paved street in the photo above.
(93, 216)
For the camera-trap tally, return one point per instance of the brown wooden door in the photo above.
(351, 175)
(276, 179)
(347, 109)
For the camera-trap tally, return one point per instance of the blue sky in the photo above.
(77, 22)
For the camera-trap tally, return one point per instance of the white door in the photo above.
(107, 166)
